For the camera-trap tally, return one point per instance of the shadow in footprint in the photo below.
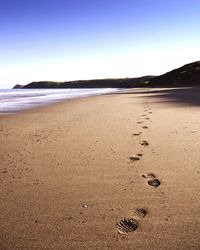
(139, 213)
(153, 180)
(135, 157)
(144, 143)
(137, 133)
(127, 225)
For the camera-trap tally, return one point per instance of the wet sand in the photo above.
(71, 172)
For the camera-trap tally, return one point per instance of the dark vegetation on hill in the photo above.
(187, 75)
(18, 86)
(97, 83)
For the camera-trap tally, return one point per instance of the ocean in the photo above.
(15, 100)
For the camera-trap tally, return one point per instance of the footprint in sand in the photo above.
(137, 133)
(153, 180)
(139, 213)
(144, 115)
(139, 122)
(135, 157)
(144, 143)
(150, 176)
(147, 118)
(145, 127)
(128, 225)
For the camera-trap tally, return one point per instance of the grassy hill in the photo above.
(187, 75)
(97, 83)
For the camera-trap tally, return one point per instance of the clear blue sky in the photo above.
(84, 39)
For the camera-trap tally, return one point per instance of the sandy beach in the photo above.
(71, 172)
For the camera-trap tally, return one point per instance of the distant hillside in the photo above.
(187, 75)
(98, 83)
(18, 86)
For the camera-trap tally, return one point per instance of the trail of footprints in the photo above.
(127, 225)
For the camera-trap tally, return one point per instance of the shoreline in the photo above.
(19, 100)
(67, 179)
(45, 105)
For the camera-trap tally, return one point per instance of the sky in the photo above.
(65, 40)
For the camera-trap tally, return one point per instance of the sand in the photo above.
(67, 178)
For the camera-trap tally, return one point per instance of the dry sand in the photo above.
(66, 179)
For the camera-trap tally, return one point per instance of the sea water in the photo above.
(15, 100)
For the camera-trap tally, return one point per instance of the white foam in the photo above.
(15, 100)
